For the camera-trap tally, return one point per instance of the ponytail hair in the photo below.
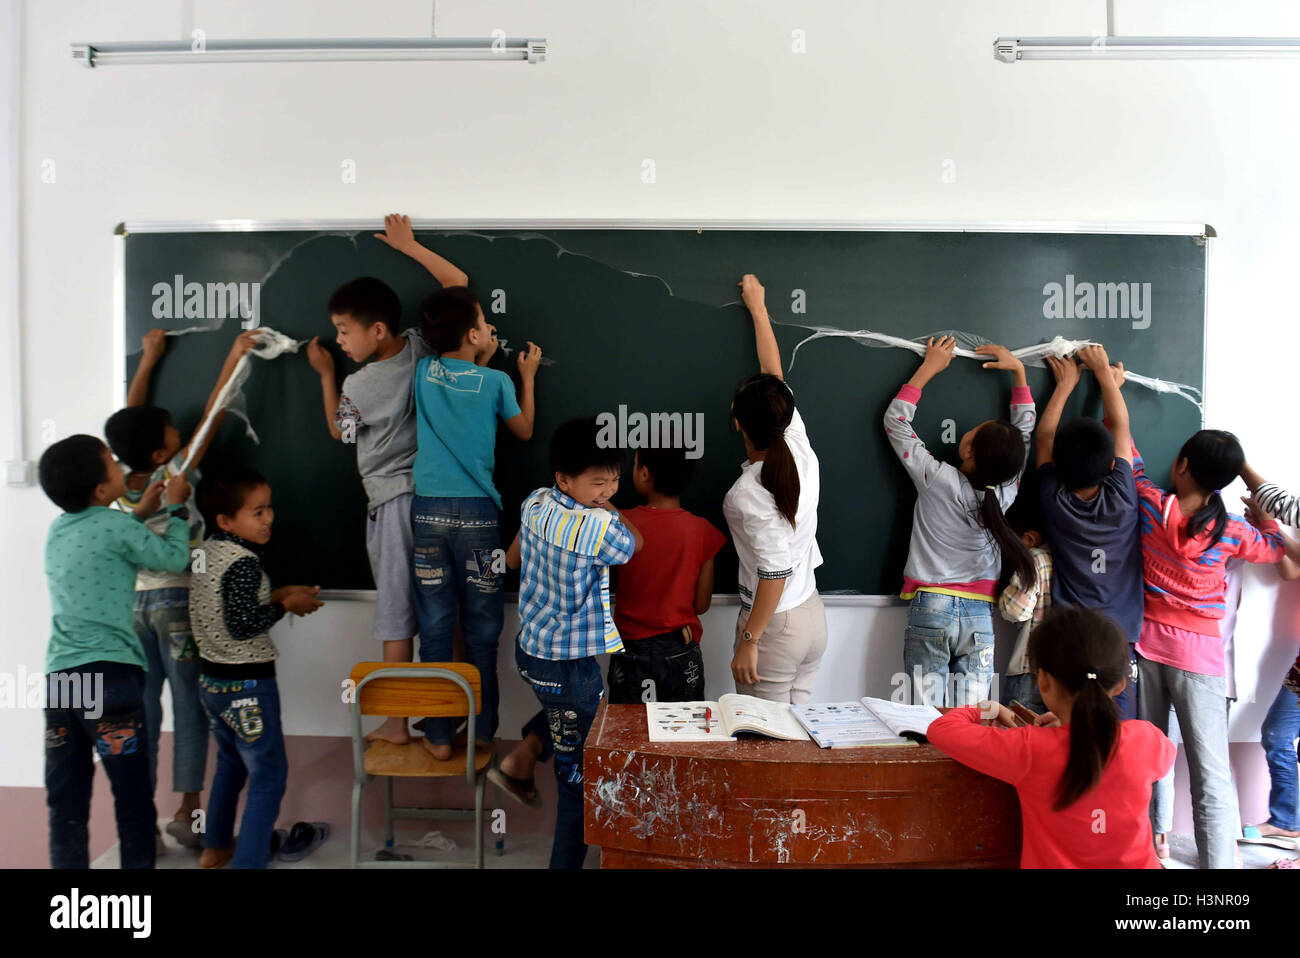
(999, 454)
(763, 406)
(1085, 652)
(1214, 458)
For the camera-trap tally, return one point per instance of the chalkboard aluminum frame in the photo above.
(126, 228)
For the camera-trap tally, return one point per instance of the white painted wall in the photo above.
(859, 127)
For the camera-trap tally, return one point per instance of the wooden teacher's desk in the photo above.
(760, 802)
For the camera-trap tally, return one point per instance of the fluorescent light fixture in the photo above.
(286, 51)
(1011, 49)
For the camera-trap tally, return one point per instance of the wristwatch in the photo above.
(748, 636)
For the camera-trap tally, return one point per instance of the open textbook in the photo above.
(720, 721)
(864, 723)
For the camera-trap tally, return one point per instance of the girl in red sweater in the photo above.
(1084, 779)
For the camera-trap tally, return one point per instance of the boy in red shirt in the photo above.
(663, 589)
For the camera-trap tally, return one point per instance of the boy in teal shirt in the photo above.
(95, 664)
(456, 509)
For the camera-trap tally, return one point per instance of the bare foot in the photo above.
(393, 730)
(440, 752)
(519, 764)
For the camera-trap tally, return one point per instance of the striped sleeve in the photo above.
(1279, 504)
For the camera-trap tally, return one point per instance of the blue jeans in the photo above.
(452, 578)
(97, 708)
(1278, 736)
(570, 692)
(245, 720)
(162, 624)
(1023, 688)
(948, 649)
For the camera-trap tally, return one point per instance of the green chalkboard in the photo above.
(650, 319)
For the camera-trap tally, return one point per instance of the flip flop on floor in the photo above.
(523, 790)
(304, 838)
(1250, 835)
(278, 837)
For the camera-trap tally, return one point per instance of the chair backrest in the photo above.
(436, 697)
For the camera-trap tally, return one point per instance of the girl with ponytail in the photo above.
(1084, 777)
(1188, 536)
(771, 510)
(960, 534)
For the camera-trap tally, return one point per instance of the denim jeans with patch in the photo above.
(453, 579)
(948, 649)
(245, 721)
(97, 709)
(162, 624)
(570, 691)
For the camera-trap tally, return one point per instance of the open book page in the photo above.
(845, 725)
(686, 722)
(902, 718)
(745, 713)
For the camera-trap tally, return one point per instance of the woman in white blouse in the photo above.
(771, 511)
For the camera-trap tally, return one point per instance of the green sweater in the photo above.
(91, 558)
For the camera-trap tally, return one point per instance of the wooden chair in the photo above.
(437, 689)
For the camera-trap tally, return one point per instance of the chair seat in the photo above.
(415, 761)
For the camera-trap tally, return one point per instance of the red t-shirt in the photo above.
(1109, 827)
(656, 588)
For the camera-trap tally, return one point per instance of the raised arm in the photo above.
(769, 354)
(323, 363)
(153, 344)
(1272, 498)
(1023, 414)
(399, 235)
(242, 345)
(1110, 379)
(521, 425)
(1066, 372)
(911, 450)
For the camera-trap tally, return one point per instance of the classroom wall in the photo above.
(888, 97)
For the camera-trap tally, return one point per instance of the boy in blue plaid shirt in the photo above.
(569, 536)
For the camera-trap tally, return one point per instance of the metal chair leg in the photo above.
(478, 821)
(354, 841)
(388, 811)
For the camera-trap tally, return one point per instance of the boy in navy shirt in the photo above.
(1090, 505)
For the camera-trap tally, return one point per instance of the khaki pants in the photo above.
(789, 653)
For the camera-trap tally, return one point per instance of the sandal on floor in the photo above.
(304, 838)
(523, 790)
(278, 837)
(1250, 835)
